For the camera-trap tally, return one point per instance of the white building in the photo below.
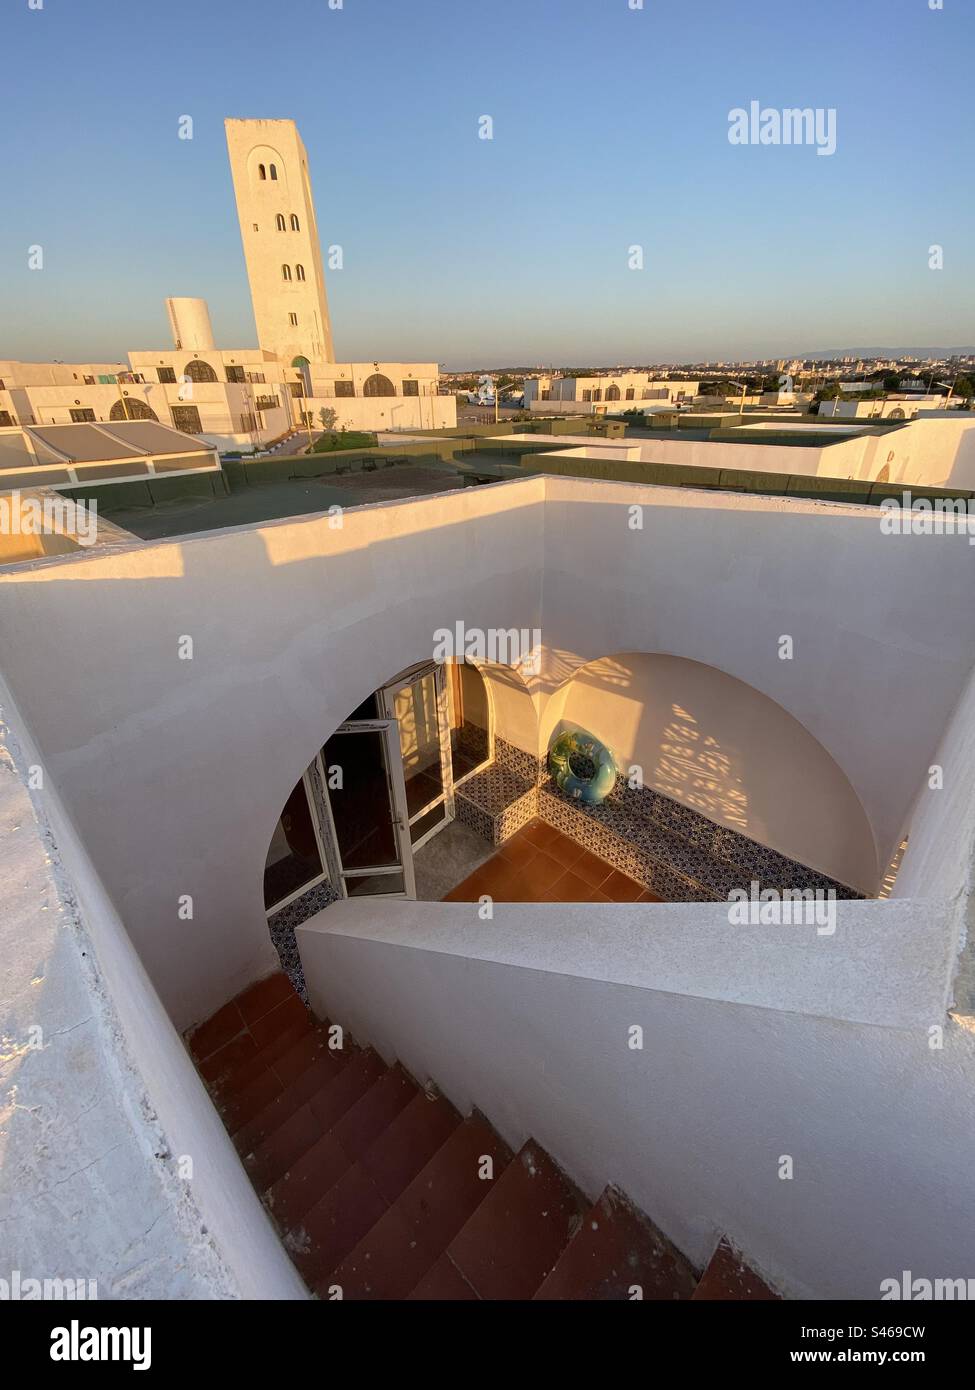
(244, 398)
(555, 395)
(137, 867)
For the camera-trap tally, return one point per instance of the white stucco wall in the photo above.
(694, 1125)
(114, 1166)
(715, 744)
(175, 771)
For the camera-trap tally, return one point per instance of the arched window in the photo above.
(294, 222)
(261, 172)
(198, 370)
(281, 224)
(612, 393)
(378, 385)
(286, 272)
(299, 272)
(274, 172)
(131, 408)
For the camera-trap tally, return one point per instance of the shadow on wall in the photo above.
(714, 743)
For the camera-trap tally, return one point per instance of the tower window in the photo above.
(261, 172)
(294, 222)
(274, 172)
(299, 272)
(294, 320)
(281, 225)
(286, 272)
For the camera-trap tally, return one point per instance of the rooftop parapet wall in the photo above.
(176, 770)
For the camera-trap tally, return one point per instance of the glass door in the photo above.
(417, 703)
(367, 806)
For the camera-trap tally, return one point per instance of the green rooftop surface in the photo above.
(250, 504)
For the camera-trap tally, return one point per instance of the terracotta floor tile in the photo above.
(363, 1122)
(593, 869)
(540, 833)
(395, 1158)
(518, 1232)
(615, 1248)
(518, 851)
(262, 997)
(443, 1196)
(620, 888)
(444, 1283)
(334, 1226)
(570, 888)
(277, 1020)
(226, 1063)
(306, 1181)
(542, 871)
(386, 1264)
(225, 1024)
(647, 897)
(272, 1158)
(563, 849)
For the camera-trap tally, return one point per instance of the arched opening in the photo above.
(378, 385)
(274, 172)
(612, 393)
(198, 370)
(132, 408)
(299, 272)
(280, 222)
(261, 171)
(378, 792)
(286, 272)
(708, 750)
(294, 222)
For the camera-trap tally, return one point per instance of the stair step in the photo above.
(515, 1237)
(352, 1082)
(306, 1181)
(260, 998)
(405, 1243)
(313, 1079)
(310, 1177)
(397, 1156)
(333, 1227)
(263, 1030)
(363, 1122)
(237, 1064)
(443, 1283)
(240, 1103)
(616, 1248)
(729, 1276)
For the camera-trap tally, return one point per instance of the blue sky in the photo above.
(610, 130)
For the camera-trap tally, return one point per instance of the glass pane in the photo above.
(415, 710)
(369, 709)
(293, 858)
(469, 718)
(361, 806)
(370, 885)
(425, 824)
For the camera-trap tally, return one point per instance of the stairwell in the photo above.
(382, 1190)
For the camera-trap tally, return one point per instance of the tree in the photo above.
(891, 381)
(328, 417)
(964, 387)
(829, 393)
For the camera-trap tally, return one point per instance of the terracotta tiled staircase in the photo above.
(382, 1190)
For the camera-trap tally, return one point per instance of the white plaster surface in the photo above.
(99, 1107)
(694, 1125)
(176, 771)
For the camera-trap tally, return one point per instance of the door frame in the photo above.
(396, 784)
(386, 696)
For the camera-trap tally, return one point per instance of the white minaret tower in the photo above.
(280, 235)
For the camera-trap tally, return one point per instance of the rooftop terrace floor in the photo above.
(254, 504)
